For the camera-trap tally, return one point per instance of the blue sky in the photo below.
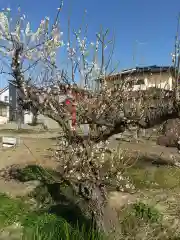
(142, 28)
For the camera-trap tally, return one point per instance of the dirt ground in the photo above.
(146, 146)
(157, 186)
(30, 151)
(35, 149)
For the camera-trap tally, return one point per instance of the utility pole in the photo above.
(176, 62)
(135, 51)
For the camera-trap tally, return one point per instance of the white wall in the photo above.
(159, 80)
(166, 84)
(28, 116)
(3, 120)
(4, 95)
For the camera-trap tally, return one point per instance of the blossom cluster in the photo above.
(82, 57)
(99, 165)
(41, 44)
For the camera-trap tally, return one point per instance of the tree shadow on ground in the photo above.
(72, 214)
(54, 197)
(68, 206)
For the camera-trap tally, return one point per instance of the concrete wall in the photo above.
(48, 122)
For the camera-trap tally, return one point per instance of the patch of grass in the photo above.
(141, 221)
(39, 225)
(11, 210)
(137, 221)
(35, 172)
(56, 198)
(146, 212)
(50, 227)
(155, 177)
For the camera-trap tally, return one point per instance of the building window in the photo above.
(3, 111)
(6, 98)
